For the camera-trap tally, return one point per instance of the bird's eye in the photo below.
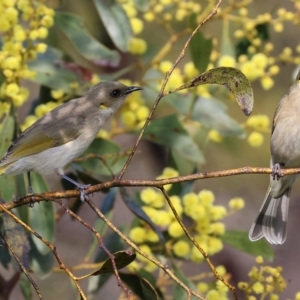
(115, 93)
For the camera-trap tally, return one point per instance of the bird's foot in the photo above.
(276, 171)
(83, 195)
(30, 194)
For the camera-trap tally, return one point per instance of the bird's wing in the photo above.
(277, 112)
(52, 130)
(25, 145)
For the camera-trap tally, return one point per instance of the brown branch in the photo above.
(133, 182)
(137, 249)
(50, 246)
(163, 86)
(101, 244)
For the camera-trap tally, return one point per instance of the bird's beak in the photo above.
(131, 89)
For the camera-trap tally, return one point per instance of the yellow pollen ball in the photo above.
(255, 139)
(181, 248)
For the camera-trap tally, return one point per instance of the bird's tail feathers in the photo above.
(271, 221)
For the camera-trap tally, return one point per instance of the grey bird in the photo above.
(64, 133)
(271, 221)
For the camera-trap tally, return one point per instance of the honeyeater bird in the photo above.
(271, 221)
(64, 133)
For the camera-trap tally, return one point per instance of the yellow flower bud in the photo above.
(227, 61)
(4, 24)
(259, 260)
(202, 287)
(47, 21)
(142, 113)
(103, 134)
(34, 34)
(255, 139)
(57, 94)
(137, 25)
(215, 136)
(267, 83)
(152, 236)
(137, 46)
(258, 288)
(29, 120)
(149, 16)
(175, 230)
(181, 248)
(19, 33)
(41, 47)
(274, 70)
(8, 73)
(206, 197)
(278, 27)
(137, 234)
(11, 14)
(42, 32)
(11, 62)
(12, 89)
(237, 203)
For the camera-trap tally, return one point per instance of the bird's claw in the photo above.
(30, 194)
(276, 171)
(83, 195)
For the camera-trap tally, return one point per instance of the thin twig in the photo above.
(137, 249)
(101, 245)
(163, 86)
(50, 246)
(23, 269)
(204, 254)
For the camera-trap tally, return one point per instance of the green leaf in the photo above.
(140, 286)
(7, 128)
(243, 45)
(116, 22)
(21, 190)
(40, 264)
(108, 201)
(18, 240)
(182, 165)
(122, 259)
(113, 244)
(7, 183)
(42, 216)
(233, 79)
(200, 51)
(148, 290)
(89, 47)
(7, 187)
(168, 131)
(5, 256)
(102, 147)
(142, 5)
(240, 240)
(52, 76)
(213, 114)
(25, 286)
(137, 210)
(227, 48)
(178, 292)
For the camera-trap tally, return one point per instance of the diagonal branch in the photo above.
(161, 93)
